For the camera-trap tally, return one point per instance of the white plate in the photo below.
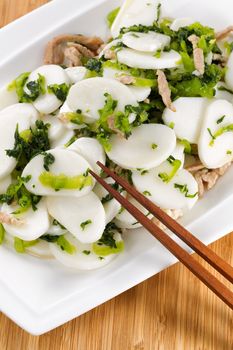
(41, 295)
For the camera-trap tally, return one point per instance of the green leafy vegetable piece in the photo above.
(176, 164)
(109, 196)
(93, 64)
(187, 146)
(107, 244)
(29, 144)
(184, 190)
(50, 238)
(49, 159)
(146, 193)
(36, 87)
(187, 62)
(219, 132)
(86, 252)
(223, 88)
(61, 241)
(59, 90)
(105, 251)
(112, 15)
(158, 12)
(2, 234)
(84, 224)
(21, 245)
(17, 192)
(65, 245)
(75, 118)
(229, 47)
(220, 120)
(61, 181)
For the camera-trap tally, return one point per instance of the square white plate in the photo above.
(41, 295)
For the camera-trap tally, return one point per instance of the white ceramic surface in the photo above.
(41, 295)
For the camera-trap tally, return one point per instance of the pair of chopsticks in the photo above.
(181, 254)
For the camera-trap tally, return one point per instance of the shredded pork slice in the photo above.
(10, 219)
(198, 55)
(224, 33)
(111, 125)
(72, 57)
(55, 52)
(207, 178)
(164, 90)
(173, 213)
(126, 79)
(110, 55)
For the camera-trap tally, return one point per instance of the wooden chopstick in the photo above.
(199, 247)
(194, 266)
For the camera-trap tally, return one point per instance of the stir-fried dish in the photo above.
(154, 103)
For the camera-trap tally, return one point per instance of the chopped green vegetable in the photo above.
(176, 164)
(219, 132)
(21, 245)
(158, 12)
(25, 149)
(109, 196)
(93, 64)
(72, 140)
(223, 88)
(187, 146)
(220, 120)
(57, 223)
(86, 252)
(229, 47)
(105, 250)
(229, 152)
(184, 189)
(84, 224)
(146, 193)
(107, 244)
(59, 90)
(75, 118)
(36, 87)
(49, 238)
(49, 159)
(154, 146)
(62, 181)
(18, 193)
(65, 245)
(26, 135)
(171, 125)
(107, 238)
(144, 172)
(187, 62)
(112, 15)
(2, 234)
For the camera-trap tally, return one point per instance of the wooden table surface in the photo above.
(171, 311)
